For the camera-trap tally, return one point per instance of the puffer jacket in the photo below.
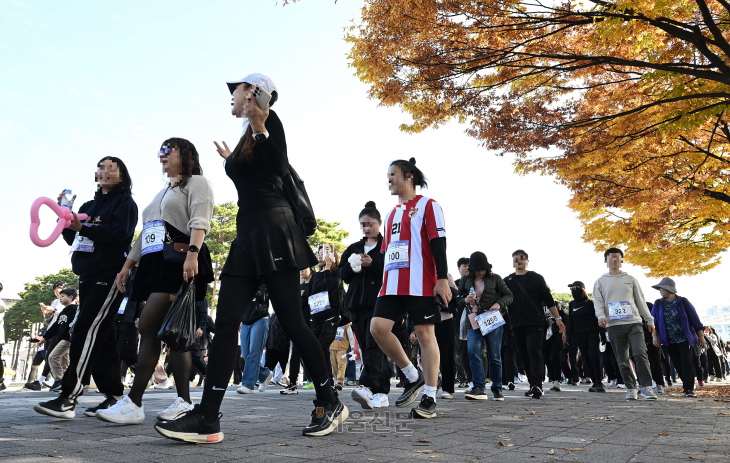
(495, 291)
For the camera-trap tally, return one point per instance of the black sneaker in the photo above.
(600, 388)
(325, 418)
(690, 394)
(3, 386)
(192, 427)
(60, 407)
(476, 394)
(592, 388)
(426, 409)
(290, 389)
(511, 386)
(529, 392)
(536, 392)
(102, 406)
(498, 396)
(34, 386)
(56, 387)
(412, 390)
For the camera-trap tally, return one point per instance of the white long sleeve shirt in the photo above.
(620, 296)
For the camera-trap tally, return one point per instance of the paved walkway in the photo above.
(572, 425)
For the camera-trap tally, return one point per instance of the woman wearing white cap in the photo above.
(678, 330)
(270, 247)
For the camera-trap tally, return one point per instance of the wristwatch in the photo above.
(193, 248)
(558, 318)
(261, 137)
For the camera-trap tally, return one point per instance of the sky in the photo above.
(83, 80)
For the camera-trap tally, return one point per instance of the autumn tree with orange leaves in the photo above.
(622, 102)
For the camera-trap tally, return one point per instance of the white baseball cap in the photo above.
(257, 79)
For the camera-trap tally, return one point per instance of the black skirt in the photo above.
(156, 275)
(268, 241)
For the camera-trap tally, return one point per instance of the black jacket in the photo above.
(325, 281)
(277, 338)
(364, 287)
(581, 318)
(527, 310)
(59, 331)
(112, 220)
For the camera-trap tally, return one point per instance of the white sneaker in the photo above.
(123, 412)
(166, 384)
(632, 394)
(364, 396)
(263, 386)
(648, 394)
(47, 383)
(612, 383)
(244, 390)
(712, 378)
(619, 386)
(446, 395)
(380, 400)
(235, 385)
(659, 389)
(174, 411)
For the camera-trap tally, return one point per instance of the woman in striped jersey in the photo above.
(414, 282)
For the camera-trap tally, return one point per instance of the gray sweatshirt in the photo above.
(185, 208)
(623, 293)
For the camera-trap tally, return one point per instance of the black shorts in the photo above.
(421, 309)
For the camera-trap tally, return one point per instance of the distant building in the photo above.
(9, 302)
(718, 318)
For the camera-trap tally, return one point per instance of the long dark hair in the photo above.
(473, 275)
(188, 157)
(409, 167)
(126, 183)
(243, 152)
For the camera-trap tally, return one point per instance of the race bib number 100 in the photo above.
(397, 255)
(620, 310)
(152, 237)
(489, 321)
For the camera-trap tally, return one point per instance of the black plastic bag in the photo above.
(178, 329)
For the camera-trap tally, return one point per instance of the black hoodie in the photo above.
(60, 331)
(112, 220)
(364, 287)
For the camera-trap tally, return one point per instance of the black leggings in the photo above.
(150, 322)
(286, 299)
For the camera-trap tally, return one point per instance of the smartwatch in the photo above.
(193, 248)
(261, 137)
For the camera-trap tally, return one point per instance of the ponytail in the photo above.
(409, 167)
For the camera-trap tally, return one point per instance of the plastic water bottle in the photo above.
(472, 293)
(68, 200)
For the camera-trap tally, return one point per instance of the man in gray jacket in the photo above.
(620, 306)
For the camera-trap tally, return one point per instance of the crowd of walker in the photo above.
(282, 305)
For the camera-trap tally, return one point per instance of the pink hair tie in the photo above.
(65, 217)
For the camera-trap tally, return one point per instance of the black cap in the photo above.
(478, 261)
(577, 283)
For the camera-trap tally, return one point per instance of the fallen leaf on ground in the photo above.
(510, 445)
(423, 451)
(501, 444)
(551, 452)
(532, 413)
(353, 444)
(284, 445)
(723, 413)
(423, 441)
(713, 438)
(574, 450)
(55, 428)
(663, 434)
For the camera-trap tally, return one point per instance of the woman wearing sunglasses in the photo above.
(271, 247)
(179, 213)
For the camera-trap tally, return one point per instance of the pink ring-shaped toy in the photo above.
(64, 215)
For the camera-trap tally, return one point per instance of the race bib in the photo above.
(123, 306)
(620, 310)
(319, 302)
(340, 333)
(83, 243)
(397, 255)
(152, 237)
(489, 321)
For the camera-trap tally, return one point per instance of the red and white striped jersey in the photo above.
(411, 226)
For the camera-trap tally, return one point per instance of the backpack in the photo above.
(296, 196)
